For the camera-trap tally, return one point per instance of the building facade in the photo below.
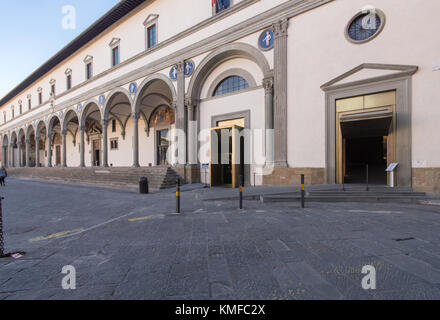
(321, 87)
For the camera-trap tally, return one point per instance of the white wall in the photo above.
(319, 52)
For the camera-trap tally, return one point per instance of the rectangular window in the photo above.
(69, 82)
(114, 144)
(151, 36)
(29, 104)
(222, 5)
(52, 89)
(40, 98)
(4, 117)
(113, 125)
(20, 108)
(115, 56)
(89, 73)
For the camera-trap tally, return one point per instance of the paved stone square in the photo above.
(129, 246)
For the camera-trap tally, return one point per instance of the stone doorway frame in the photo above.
(400, 80)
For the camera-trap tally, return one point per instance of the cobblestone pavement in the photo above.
(127, 246)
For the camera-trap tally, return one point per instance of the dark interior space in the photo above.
(363, 151)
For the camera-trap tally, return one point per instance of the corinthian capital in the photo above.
(180, 66)
(280, 28)
(268, 85)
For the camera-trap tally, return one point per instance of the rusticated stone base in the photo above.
(426, 180)
(292, 176)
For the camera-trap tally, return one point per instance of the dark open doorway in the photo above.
(363, 151)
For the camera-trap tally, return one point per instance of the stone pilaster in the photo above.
(28, 149)
(49, 149)
(135, 117)
(37, 151)
(81, 147)
(269, 120)
(280, 91)
(104, 143)
(180, 103)
(64, 149)
(191, 105)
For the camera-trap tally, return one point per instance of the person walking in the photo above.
(3, 175)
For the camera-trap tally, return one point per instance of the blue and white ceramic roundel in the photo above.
(101, 99)
(133, 88)
(189, 68)
(266, 40)
(173, 73)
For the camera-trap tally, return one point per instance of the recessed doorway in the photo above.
(365, 138)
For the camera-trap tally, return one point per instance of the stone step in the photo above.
(340, 198)
(158, 177)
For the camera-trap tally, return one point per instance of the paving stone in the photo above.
(267, 251)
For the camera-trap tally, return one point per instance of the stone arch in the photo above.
(84, 112)
(5, 150)
(110, 98)
(67, 118)
(146, 83)
(221, 55)
(5, 140)
(29, 130)
(51, 123)
(40, 126)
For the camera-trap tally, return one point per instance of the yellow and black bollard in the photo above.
(303, 191)
(178, 196)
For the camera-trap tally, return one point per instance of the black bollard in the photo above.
(302, 191)
(241, 192)
(178, 196)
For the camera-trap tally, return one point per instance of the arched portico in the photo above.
(155, 91)
(54, 141)
(13, 150)
(22, 156)
(5, 148)
(70, 126)
(118, 111)
(90, 124)
(30, 146)
(40, 142)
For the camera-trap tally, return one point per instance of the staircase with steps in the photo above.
(160, 177)
(375, 194)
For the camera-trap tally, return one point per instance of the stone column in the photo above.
(64, 149)
(280, 90)
(192, 132)
(269, 122)
(37, 151)
(180, 103)
(104, 143)
(49, 149)
(28, 151)
(135, 117)
(81, 147)
(20, 158)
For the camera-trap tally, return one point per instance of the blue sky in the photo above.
(31, 32)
